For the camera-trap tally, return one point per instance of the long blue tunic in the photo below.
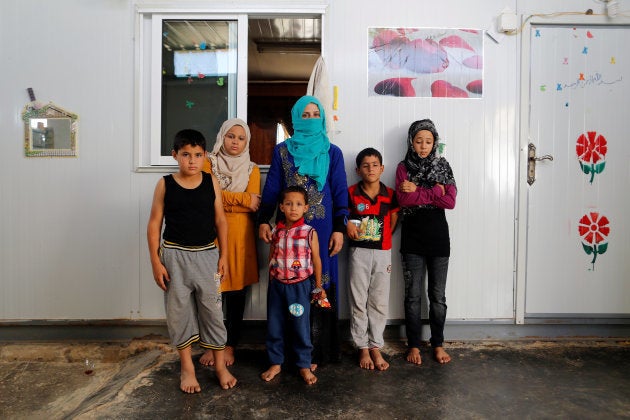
(328, 208)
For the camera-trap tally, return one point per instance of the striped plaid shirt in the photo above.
(291, 260)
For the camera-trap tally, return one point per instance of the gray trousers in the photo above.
(369, 271)
(193, 299)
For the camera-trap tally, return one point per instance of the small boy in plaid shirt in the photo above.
(293, 260)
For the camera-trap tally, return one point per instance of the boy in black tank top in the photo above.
(187, 265)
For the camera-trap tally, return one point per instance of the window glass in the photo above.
(198, 82)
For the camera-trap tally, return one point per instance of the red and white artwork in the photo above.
(414, 62)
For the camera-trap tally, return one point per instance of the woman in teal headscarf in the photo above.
(309, 159)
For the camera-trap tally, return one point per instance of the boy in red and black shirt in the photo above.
(373, 217)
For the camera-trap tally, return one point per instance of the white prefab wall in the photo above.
(72, 230)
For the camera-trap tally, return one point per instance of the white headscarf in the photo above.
(232, 172)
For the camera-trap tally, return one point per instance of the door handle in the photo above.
(531, 162)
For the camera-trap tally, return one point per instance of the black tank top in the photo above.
(189, 213)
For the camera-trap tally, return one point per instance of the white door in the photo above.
(574, 233)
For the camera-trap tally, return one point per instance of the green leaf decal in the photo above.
(599, 168)
(588, 249)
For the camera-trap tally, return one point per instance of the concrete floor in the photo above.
(138, 379)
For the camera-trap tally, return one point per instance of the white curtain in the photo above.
(319, 87)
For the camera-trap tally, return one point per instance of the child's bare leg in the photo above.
(229, 355)
(270, 373)
(188, 381)
(308, 376)
(207, 359)
(365, 361)
(313, 367)
(226, 380)
(377, 358)
(441, 355)
(413, 356)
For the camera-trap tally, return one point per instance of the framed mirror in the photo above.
(49, 130)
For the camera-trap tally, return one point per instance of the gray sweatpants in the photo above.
(369, 271)
(193, 299)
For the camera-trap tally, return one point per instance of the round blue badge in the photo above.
(296, 309)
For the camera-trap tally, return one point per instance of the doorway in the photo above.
(282, 51)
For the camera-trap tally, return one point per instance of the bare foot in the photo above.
(365, 361)
(270, 373)
(413, 356)
(226, 380)
(207, 359)
(308, 376)
(441, 355)
(188, 382)
(377, 358)
(229, 355)
(313, 367)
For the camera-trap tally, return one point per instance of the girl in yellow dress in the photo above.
(239, 179)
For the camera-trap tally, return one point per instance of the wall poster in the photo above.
(419, 62)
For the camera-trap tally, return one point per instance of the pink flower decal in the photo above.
(593, 228)
(591, 149)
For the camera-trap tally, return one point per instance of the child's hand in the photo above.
(352, 230)
(355, 229)
(222, 268)
(318, 296)
(407, 186)
(160, 275)
(318, 293)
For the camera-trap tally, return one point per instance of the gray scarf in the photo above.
(426, 172)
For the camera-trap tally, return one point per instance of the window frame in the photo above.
(149, 81)
(148, 63)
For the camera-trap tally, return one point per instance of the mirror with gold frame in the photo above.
(49, 130)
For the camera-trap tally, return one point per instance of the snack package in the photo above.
(316, 298)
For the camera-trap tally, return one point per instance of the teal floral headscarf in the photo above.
(309, 145)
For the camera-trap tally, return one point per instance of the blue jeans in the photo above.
(280, 321)
(414, 268)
